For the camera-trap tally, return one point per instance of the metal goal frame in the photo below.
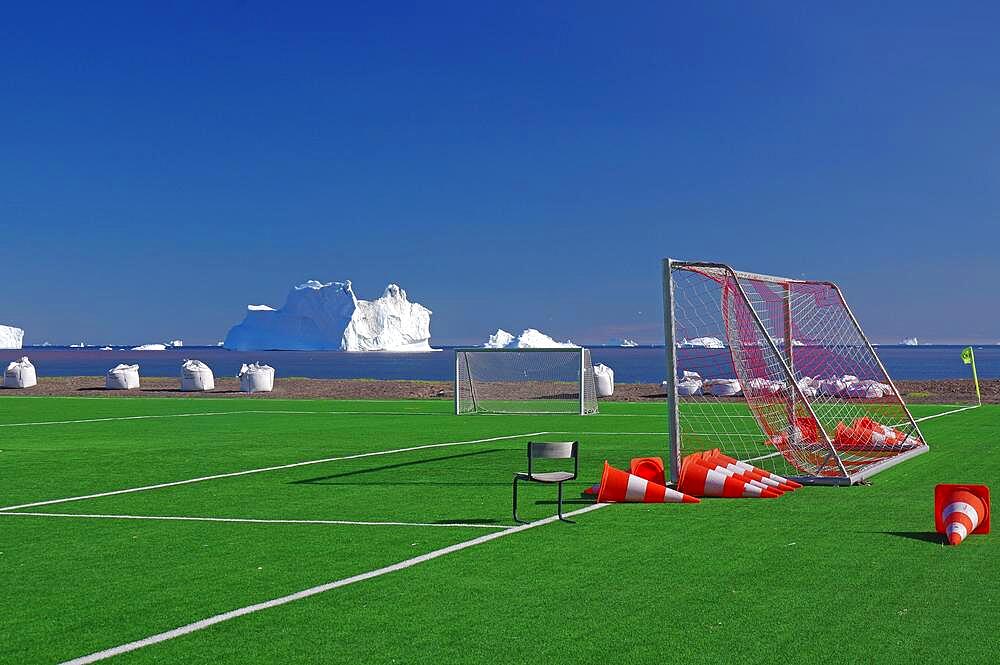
(787, 366)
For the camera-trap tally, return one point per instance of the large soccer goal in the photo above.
(557, 380)
(778, 372)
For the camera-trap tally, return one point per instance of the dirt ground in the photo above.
(949, 391)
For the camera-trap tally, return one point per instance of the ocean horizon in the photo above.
(641, 364)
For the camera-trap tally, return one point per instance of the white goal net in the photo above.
(778, 372)
(524, 381)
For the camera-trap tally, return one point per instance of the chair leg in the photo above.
(516, 518)
(559, 506)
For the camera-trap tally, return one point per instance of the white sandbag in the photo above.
(832, 387)
(865, 390)
(722, 387)
(690, 384)
(808, 386)
(122, 377)
(257, 378)
(762, 386)
(196, 376)
(604, 379)
(20, 374)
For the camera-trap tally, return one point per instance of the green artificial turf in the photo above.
(822, 574)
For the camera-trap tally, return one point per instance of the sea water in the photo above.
(632, 365)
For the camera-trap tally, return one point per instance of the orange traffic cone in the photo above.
(701, 481)
(738, 474)
(623, 487)
(752, 474)
(960, 510)
(718, 457)
(650, 468)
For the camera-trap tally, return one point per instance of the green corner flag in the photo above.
(969, 358)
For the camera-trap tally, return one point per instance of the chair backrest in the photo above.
(554, 450)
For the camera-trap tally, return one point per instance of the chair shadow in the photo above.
(924, 536)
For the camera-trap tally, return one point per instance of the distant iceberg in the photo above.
(910, 341)
(530, 338)
(623, 342)
(11, 337)
(327, 316)
(150, 347)
(701, 343)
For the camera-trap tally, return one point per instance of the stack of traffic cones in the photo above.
(623, 487)
(869, 435)
(714, 474)
(960, 510)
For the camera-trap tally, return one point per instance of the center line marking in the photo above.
(249, 520)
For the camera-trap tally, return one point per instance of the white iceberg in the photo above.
(320, 316)
(150, 347)
(20, 374)
(623, 342)
(256, 378)
(910, 341)
(11, 337)
(81, 345)
(530, 338)
(176, 343)
(701, 343)
(122, 377)
(106, 348)
(501, 339)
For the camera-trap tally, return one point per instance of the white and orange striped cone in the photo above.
(622, 487)
(892, 435)
(699, 480)
(718, 457)
(753, 473)
(960, 510)
(737, 473)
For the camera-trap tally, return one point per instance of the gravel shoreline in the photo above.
(945, 391)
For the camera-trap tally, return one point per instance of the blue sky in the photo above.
(509, 164)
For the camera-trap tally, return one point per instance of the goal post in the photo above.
(778, 372)
(551, 380)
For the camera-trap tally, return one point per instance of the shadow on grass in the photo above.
(924, 536)
(321, 480)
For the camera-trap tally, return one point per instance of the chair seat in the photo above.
(550, 477)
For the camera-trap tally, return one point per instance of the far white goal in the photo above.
(524, 381)
(778, 372)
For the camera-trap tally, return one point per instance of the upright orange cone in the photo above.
(717, 455)
(623, 487)
(960, 510)
(701, 481)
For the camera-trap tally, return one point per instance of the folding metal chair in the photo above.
(543, 450)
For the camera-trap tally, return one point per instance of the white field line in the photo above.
(322, 588)
(247, 520)
(611, 433)
(265, 469)
(109, 419)
(221, 413)
(948, 413)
